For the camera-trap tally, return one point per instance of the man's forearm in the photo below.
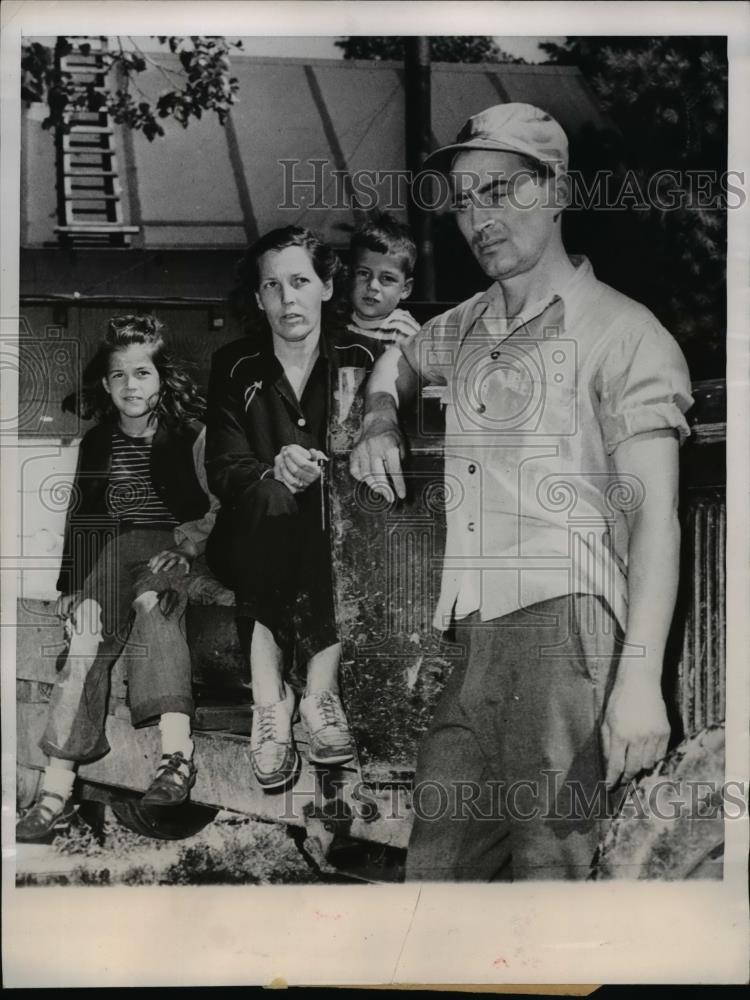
(392, 385)
(653, 572)
(381, 412)
(635, 730)
(377, 455)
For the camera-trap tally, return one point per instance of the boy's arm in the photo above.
(403, 324)
(635, 731)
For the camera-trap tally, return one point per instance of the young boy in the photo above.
(383, 255)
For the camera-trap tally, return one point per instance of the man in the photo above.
(564, 414)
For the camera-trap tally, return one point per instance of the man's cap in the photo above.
(508, 128)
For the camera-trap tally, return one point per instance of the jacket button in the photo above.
(302, 422)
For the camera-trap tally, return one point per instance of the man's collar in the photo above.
(568, 291)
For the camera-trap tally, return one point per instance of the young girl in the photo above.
(139, 514)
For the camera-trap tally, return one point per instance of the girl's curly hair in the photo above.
(325, 262)
(179, 401)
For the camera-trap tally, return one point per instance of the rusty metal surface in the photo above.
(388, 560)
(701, 676)
(387, 563)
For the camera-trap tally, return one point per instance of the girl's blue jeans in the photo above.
(154, 646)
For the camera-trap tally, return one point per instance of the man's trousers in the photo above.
(510, 777)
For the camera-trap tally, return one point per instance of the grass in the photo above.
(233, 850)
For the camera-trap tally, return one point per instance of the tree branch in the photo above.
(165, 73)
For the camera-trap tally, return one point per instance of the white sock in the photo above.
(175, 734)
(59, 780)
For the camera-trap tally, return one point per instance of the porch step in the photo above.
(236, 719)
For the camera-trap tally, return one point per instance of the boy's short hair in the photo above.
(384, 234)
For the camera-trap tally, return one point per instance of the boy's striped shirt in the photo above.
(396, 328)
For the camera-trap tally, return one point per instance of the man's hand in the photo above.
(297, 467)
(66, 604)
(376, 457)
(635, 731)
(179, 555)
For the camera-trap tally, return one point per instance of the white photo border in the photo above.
(430, 934)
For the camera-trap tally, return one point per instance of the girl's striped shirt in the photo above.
(131, 498)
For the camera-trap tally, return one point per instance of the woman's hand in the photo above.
(66, 604)
(297, 467)
(180, 555)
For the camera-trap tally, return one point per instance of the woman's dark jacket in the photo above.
(89, 525)
(252, 411)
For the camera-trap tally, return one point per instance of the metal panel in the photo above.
(701, 675)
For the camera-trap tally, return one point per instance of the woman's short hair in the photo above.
(325, 262)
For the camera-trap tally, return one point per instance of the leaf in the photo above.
(166, 102)
(97, 101)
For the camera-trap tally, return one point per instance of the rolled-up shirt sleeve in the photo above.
(644, 386)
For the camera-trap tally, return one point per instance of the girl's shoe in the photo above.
(43, 817)
(175, 776)
(273, 755)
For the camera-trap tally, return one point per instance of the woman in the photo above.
(269, 406)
